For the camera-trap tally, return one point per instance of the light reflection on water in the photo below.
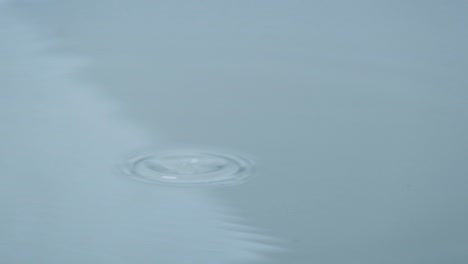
(61, 201)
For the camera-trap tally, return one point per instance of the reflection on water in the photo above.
(61, 201)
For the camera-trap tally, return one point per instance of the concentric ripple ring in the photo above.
(189, 168)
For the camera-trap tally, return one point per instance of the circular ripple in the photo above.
(190, 168)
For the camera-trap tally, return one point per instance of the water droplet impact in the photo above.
(190, 168)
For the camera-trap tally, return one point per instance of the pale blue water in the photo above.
(354, 112)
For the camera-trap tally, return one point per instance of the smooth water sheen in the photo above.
(356, 113)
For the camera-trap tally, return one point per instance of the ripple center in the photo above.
(190, 168)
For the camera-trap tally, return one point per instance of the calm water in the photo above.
(354, 113)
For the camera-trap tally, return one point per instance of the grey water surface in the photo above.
(354, 112)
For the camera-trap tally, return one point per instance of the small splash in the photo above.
(190, 168)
